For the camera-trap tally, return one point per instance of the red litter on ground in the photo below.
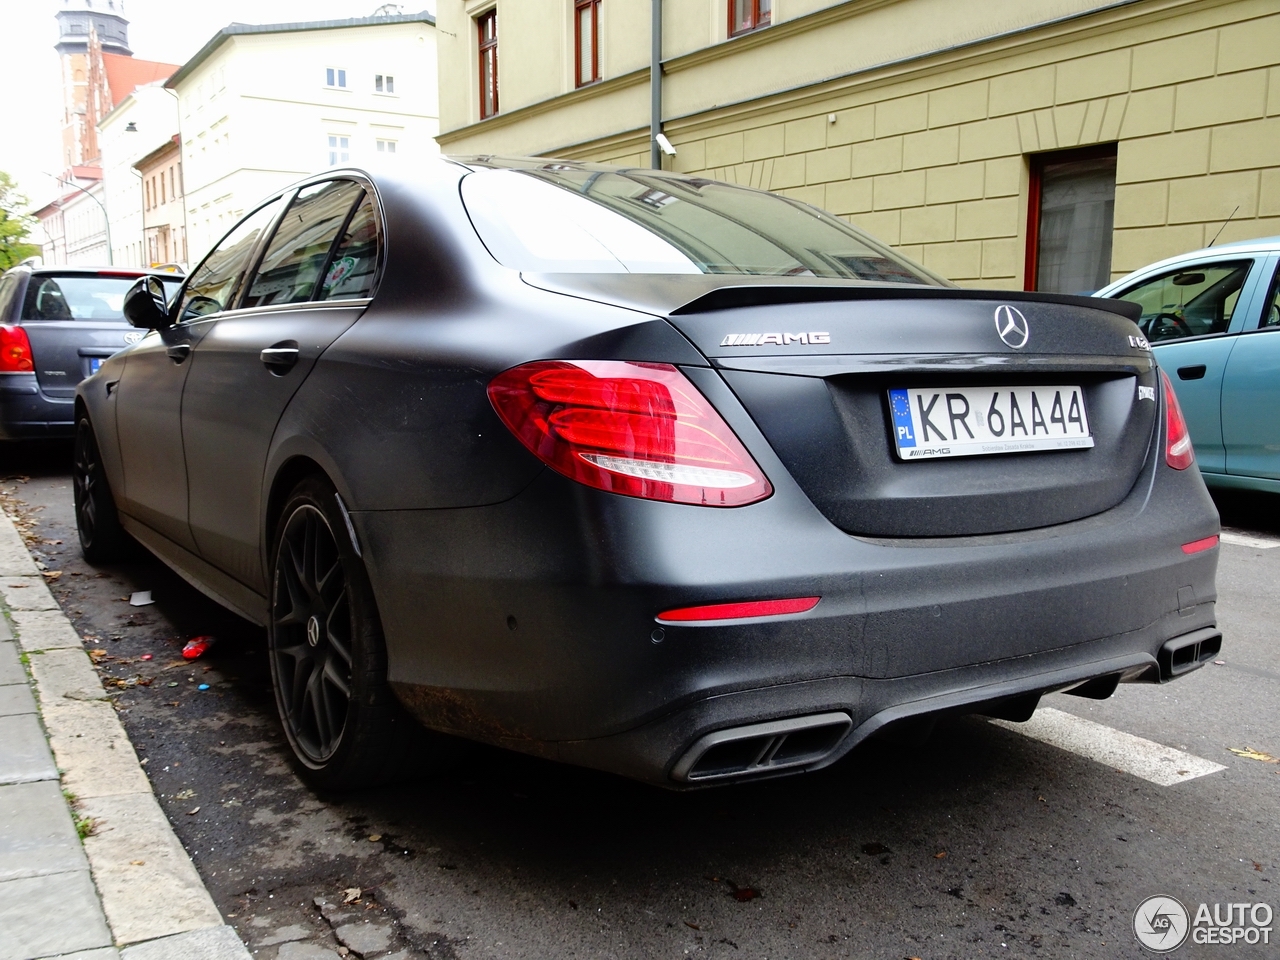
(197, 646)
(145, 656)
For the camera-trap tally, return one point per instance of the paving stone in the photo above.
(305, 951)
(104, 953)
(45, 630)
(294, 931)
(27, 904)
(15, 560)
(37, 835)
(11, 670)
(92, 749)
(26, 593)
(160, 896)
(15, 699)
(6, 632)
(365, 937)
(24, 755)
(211, 943)
(65, 674)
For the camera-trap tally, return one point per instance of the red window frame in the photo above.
(487, 30)
(591, 73)
(1038, 162)
(758, 13)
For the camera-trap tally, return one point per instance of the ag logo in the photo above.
(1012, 326)
(1161, 924)
(133, 336)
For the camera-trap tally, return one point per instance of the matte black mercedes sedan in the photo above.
(641, 471)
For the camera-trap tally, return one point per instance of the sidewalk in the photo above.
(128, 891)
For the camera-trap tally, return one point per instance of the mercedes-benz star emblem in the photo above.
(313, 631)
(1012, 326)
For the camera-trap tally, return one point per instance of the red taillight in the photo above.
(640, 429)
(1195, 546)
(15, 350)
(740, 610)
(1177, 446)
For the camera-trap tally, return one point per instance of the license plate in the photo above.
(975, 421)
(94, 364)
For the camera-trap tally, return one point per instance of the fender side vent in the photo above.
(762, 748)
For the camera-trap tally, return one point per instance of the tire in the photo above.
(102, 539)
(328, 660)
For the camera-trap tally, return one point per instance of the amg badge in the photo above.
(779, 339)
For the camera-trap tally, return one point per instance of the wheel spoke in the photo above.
(316, 697)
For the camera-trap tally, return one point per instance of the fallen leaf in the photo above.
(375, 837)
(184, 795)
(351, 895)
(138, 863)
(193, 811)
(744, 894)
(51, 574)
(97, 656)
(940, 855)
(1251, 754)
(692, 926)
(1257, 865)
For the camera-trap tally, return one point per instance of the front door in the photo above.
(1251, 395)
(149, 395)
(312, 284)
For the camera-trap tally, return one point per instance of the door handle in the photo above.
(280, 358)
(1195, 372)
(179, 352)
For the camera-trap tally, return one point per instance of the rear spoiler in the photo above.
(754, 295)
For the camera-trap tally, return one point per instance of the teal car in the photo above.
(1213, 320)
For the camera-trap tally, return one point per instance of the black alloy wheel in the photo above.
(102, 539)
(328, 662)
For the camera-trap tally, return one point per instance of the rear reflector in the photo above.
(640, 429)
(15, 350)
(1195, 546)
(1177, 452)
(739, 611)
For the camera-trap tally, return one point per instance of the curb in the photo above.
(156, 905)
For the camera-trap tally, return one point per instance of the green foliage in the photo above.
(14, 225)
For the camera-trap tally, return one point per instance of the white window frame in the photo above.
(335, 78)
(384, 84)
(339, 148)
(386, 146)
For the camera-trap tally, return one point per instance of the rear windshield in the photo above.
(560, 218)
(81, 296)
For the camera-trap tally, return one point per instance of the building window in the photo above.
(384, 83)
(487, 27)
(586, 35)
(747, 15)
(386, 146)
(1070, 213)
(339, 149)
(334, 77)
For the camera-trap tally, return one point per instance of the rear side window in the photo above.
(75, 297)
(8, 285)
(300, 250)
(352, 271)
(1191, 301)
(214, 284)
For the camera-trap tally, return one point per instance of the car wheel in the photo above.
(328, 661)
(102, 539)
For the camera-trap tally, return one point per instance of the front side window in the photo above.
(354, 266)
(487, 28)
(746, 15)
(1191, 301)
(339, 149)
(214, 283)
(566, 218)
(335, 77)
(299, 252)
(586, 31)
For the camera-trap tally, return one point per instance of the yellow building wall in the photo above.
(930, 154)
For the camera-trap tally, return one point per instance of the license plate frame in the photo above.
(95, 364)
(930, 423)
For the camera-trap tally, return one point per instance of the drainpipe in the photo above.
(655, 86)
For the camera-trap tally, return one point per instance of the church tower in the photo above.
(86, 30)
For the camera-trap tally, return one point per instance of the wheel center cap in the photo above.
(313, 631)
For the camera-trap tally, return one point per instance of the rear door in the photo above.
(74, 321)
(313, 281)
(1251, 391)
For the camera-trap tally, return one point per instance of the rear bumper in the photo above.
(26, 413)
(530, 623)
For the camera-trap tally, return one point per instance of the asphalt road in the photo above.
(980, 842)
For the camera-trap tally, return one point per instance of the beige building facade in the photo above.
(947, 130)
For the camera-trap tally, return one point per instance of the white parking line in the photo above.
(1242, 539)
(1122, 751)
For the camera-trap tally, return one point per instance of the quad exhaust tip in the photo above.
(761, 749)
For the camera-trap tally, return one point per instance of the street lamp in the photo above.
(106, 221)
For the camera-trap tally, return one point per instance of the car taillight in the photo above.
(15, 350)
(640, 429)
(1177, 445)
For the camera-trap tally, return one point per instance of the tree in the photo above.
(14, 225)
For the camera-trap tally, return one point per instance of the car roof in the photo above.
(1258, 245)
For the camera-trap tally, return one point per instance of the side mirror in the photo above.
(144, 305)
